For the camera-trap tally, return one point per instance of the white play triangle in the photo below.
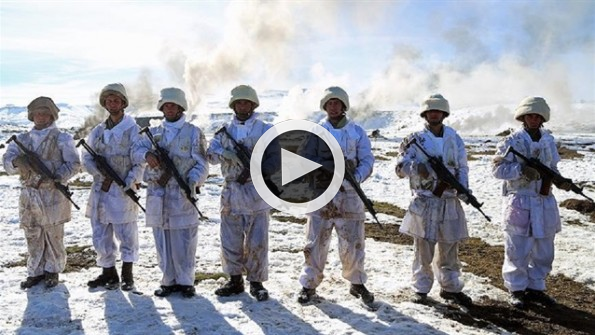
(294, 166)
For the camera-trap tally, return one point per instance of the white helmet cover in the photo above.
(173, 95)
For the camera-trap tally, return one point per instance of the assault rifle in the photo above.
(244, 155)
(170, 167)
(38, 167)
(448, 179)
(109, 173)
(360, 193)
(548, 175)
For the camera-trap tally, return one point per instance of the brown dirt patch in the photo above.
(575, 313)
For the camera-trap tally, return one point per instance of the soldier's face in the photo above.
(334, 109)
(435, 117)
(42, 118)
(114, 104)
(243, 109)
(533, 121)
(171, 111)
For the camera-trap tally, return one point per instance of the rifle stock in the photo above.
(109, 173)
(445, 176)
(171, 168)
(549, 176)
(39, 167)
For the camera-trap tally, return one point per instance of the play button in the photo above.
(294, 166)
(299, 190)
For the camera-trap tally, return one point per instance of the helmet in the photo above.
(334, 92)
(42, 103)
(243, 92)
(434, 102)
(173, 95)
(532, 105)
(116, 89)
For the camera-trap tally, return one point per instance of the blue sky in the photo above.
(383, 52)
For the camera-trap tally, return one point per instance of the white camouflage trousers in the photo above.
(445, 266)
(45, 245)
(105, 244)
(245, 245)
(176, 252)
(527, 261)
(351, 234)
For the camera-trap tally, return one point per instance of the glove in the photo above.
(422, 170)
(193, 191)
(498, 160)
(530, 173)
(566, 186)
(231, 156)
(463, 197)
(22, 163)
(152, 160)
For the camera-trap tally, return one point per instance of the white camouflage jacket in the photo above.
(236, 198)
(168, 207)
(44, 204)
(525, 211)
(116, 146)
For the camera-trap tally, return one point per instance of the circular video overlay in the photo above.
(278, 203)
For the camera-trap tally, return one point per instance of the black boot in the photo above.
(235, 285)
(517, 299)
(32, 281)
(108, 279)
(539, 297)
(188, 291)
(456, 297)
(166, 290)
(127, 278)
(258, 291)
(51, 279)
(306, 295)
(359, 290)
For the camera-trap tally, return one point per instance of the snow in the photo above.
(71, 308)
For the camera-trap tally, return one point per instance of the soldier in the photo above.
(113, 214)
(435, 217)
(244, 214)
(173, 218)
(345, 212)
(531, 218)
(42, 209)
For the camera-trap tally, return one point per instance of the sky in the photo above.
(72, 308)
(384, 53)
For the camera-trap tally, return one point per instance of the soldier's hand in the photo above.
(193, 191)
(231, 156)
(530, 173)
(498, 160)
(152, 160)
(422, 170)
(21, 162)
(566, 186)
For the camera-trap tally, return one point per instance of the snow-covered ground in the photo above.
(71, 308)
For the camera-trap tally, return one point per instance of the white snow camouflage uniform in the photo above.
(345, 212)
(171, 215)
(244, 214)
(113, 212)
(530, 220)
(43, 210)
(431, 220)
